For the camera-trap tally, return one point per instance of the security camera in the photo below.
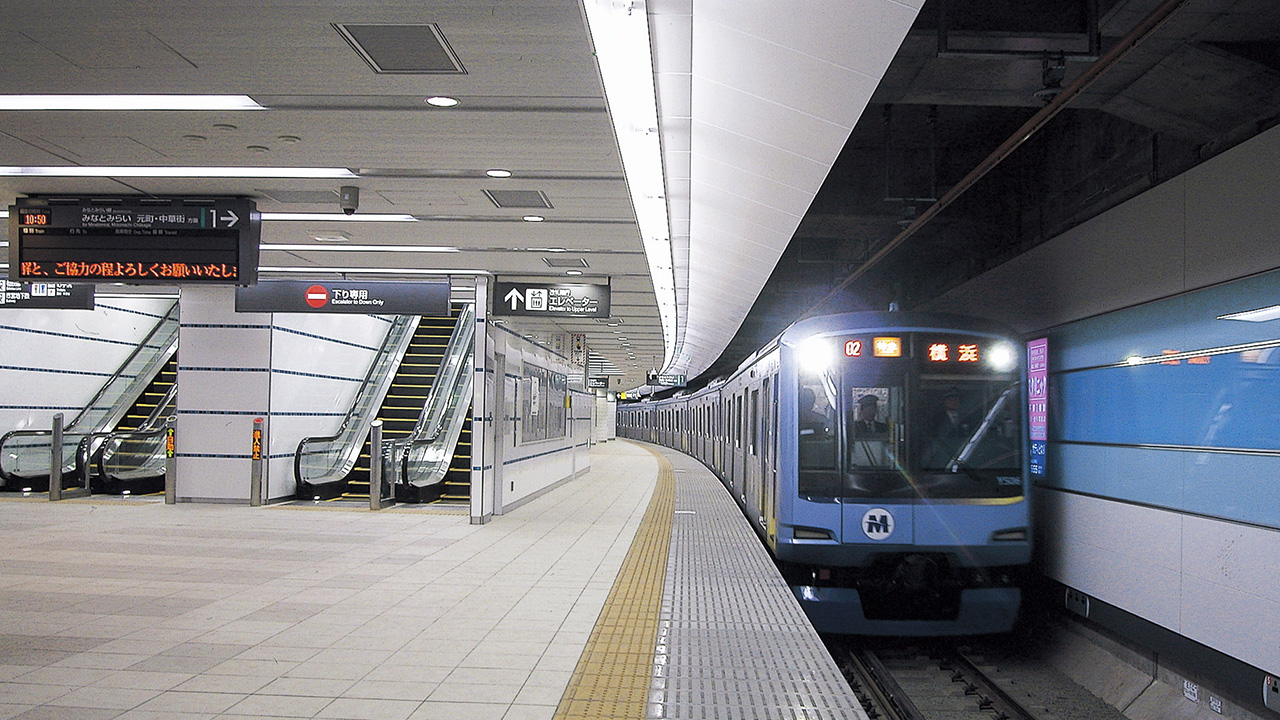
(349, 198)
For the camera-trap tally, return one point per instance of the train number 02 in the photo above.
(853, 348)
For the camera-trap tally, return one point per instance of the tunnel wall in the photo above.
(1161, 492)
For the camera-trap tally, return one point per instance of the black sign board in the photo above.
(550, 299)
(601, 383)
(135, 240)
(46, 296)
(429, 297)
(667, 380)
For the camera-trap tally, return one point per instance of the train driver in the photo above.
(868, 424)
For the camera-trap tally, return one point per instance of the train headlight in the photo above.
(815, 355)
(1002, 357)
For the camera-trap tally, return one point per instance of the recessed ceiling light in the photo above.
(177, 172)
(572, 272)
(442, 101)
(128, 102)
(539, 218)
(1260, 315)
(364, 248)
(498, 173)
(340, 217)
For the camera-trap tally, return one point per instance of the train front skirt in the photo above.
(839, 610)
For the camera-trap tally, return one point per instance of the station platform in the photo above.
(634, 591)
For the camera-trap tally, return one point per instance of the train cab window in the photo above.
(816, 400)
(972, 425)
(873, 416)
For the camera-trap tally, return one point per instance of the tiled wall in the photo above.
(56, 360)
(1139, 527)
(530, 468)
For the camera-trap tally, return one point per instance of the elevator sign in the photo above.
(550, 300)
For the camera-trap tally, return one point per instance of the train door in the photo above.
(751, 468)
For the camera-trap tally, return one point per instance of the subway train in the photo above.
(882, 458)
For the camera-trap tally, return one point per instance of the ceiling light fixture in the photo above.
(128, 102)
(498, 173)
(442, 101)
(1260, 315)
(338, 217)
(572, 272)
(538, 218)
(286, 247)
(312, 271)
(621, 39)
(173, 172)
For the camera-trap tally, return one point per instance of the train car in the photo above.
(881, 457)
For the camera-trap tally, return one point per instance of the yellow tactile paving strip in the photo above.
(612, 679)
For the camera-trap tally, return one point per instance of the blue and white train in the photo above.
(882, 459)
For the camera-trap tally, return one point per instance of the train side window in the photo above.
(754, 439)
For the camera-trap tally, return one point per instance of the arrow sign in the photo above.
(514, 297)
(230, 219)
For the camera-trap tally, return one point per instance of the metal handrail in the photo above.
(165, 349)
(435, 410)
(355, 426)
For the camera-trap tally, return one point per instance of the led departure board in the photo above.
(135, 240)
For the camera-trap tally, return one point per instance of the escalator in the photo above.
(327, 468)
(26, 455)
(131, 459)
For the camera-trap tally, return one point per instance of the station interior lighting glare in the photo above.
(620, 33)
(815, 354)
(1259, 315)
(288, 247)
(172, 172)
(337, 217)
(128, 102)
(1002, 358)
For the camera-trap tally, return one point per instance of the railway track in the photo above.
(910, 682)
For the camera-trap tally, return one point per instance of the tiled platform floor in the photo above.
(145, 611)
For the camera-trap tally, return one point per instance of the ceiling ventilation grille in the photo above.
(518, 198)
(565, 262)
(403, 49)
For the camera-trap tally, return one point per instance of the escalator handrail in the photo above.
(120, 370)
(122, 436)
(371, 380)
(6, 476)
(430, 422)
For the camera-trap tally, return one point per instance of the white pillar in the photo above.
(224, 381)
(484, 499)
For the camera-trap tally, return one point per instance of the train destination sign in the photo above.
(135, 240)
(46, 296)
(373, 297)
(550, 299)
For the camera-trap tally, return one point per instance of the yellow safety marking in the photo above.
(612, 679)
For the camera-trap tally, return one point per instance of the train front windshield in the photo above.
(924, 416)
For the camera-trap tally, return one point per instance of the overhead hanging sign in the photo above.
(550, 299)
(666, 379)
(374, 297)
(598, 383)
(135, 240)
(46, 296)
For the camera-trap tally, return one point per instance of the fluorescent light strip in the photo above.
(362, 248)
(181, 172)
(1172, 357)
(1259, 315)
(128, 102)
(621, 38)
(338, 217)
(314, 271)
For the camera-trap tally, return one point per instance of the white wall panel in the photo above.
(42, 350)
